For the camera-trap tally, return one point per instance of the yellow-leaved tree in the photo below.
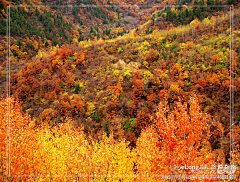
(57, 153)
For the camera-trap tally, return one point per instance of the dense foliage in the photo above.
(122, 90)
(64, 150)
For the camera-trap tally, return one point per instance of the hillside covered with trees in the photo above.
(119, 90)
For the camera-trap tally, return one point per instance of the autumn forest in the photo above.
(109, 90)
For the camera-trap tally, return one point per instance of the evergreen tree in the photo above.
(97, 117)
(77, 88)
(105, 21)
(80, 38)
(46, 43)
(91, 29)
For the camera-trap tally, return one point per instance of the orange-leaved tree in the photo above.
(177, 141)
